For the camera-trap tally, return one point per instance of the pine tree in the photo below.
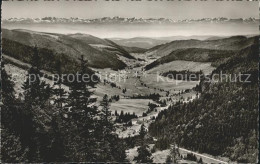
(7, 86)
(112, 149)
(174, 154)
(11, 146)
(36, 91)
(116, 114)
(142, 132)
(58, 127)
(144, 155)
(36, 95)
(200, 160)
(59, 91)
(7, 99)
(106, 116)
(118, 150)
(82, 118)
(107, 129)
(57, 148)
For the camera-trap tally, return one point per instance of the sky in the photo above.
(175, 10)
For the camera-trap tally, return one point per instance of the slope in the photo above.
(223, 120)
(57, 44)
(192, 54)
(141, 42)
(102, 44)
(231, 43)
(199, 51)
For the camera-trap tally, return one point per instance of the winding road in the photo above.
(205, 158)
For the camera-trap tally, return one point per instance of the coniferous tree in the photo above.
(112, 149)
(82, 118)
(144, 155)
(7, 99)
(36, 91)
(58, 127)
(36, 96)
(142, 132)
(174, 154)
(57, 147)
(200, 161)
(118, 150)
(11, 146)
(59, 91)
(107, 129)
(7, 86)
(106, 116)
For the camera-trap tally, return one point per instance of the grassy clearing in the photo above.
(138, 106)
(180, 65)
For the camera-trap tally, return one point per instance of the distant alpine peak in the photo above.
(122, 20)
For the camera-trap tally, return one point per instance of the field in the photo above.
(180, 65)
(137, 106)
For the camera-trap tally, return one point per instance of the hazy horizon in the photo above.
(145, 30)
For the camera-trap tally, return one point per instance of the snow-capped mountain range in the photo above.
(121, 20)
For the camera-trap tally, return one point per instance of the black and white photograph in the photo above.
(124, 81)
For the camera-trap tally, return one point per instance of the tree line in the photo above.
(71, 128)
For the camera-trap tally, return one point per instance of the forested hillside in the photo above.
(50, 124)
(223, 120)
(192, 54)
(214, 51)
(231, 43)
(48, 57)
(103, 44)
(99, 53)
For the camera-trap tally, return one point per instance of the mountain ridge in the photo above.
(99, 56)
(200, 51)
(117, 19)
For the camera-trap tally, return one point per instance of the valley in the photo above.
(131, 77)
